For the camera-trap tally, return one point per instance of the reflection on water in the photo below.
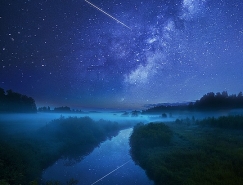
(110, 161)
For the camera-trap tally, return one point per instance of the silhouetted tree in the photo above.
(125, 114)
(209, 101)
(2, 92)
(240, 95)
(44, 109)
(219, 101)
(164, 115)
(16, 102)
(2, 99)
(135, 113)
(62, 109)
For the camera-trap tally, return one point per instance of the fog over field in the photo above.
(70, 147)
(22, 122)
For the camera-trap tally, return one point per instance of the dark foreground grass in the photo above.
(195, 154)
(24, 156)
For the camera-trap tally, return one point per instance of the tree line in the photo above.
(209, 101)
(11, 101)
(56, 109)
(219, 101)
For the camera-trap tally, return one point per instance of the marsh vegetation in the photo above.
(23, 155)
(190, 151)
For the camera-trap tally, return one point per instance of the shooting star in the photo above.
(110, 172)
(107, 14)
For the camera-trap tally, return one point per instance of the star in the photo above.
(78, 52)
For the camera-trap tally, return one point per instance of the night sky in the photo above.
(67, 52)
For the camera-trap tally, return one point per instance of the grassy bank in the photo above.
(23, 156)
(194, 152)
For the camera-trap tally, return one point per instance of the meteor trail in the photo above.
(110, 173)
(107, 14)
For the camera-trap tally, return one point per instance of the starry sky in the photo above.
(67, 52)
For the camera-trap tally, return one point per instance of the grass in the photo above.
(23, 156)
(195, 154)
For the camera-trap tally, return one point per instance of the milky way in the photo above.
(68, 53)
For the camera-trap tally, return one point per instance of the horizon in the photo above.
(10, 95)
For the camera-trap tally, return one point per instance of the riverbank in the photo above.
(110, 163)
(195, 153)
(24, 154)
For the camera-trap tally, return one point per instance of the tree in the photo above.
(240, 95)
(2, 92)
(62, 109)
(225, 94)
(16, 102)
(2, 99)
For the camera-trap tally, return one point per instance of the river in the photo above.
(110, 163)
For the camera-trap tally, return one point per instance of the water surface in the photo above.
(103, 163)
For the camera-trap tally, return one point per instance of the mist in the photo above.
(41, 139)
(21, 122)
(51, 143)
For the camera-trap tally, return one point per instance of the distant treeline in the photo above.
(56, 109)
(16, 102)
(209, 101)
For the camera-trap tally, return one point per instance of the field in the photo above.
(192, 152)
